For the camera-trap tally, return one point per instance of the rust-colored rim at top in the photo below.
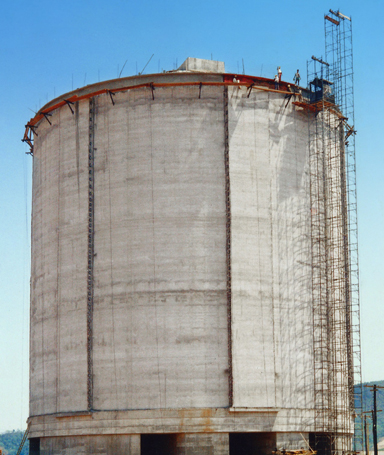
(250, 82)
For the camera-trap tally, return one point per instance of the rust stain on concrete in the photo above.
(206, 415)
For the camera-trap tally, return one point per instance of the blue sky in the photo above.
(49, 47)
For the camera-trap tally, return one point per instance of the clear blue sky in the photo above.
(48, 47)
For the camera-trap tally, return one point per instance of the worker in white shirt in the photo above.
(276, 79)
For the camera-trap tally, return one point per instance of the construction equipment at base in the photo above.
(294, 452)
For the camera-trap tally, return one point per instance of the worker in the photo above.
(276, 79)
(297, 78)
(279, 72)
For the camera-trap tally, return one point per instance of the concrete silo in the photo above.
(176, 301)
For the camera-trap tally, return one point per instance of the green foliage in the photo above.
(10, 442)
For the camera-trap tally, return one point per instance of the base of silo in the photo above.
(197, 431)
(86, 445)
(163, 444)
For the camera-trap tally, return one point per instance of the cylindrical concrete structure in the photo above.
(172, 256)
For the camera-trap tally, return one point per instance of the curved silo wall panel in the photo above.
(58, 286)
(270, 253)
(160, 312)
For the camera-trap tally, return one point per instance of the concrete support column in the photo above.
(91, 445)
(202, 444)
(292, 441)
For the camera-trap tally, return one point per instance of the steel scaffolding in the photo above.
(339, 54)
(330, 282)
(335, 281)
(322, 392)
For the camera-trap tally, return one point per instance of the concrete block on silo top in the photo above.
(199, 64)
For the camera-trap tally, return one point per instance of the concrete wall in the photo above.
(160, 308)
(91, 445)
(272, 346)
(58, 364)
(160, 317)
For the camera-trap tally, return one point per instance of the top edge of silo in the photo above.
(192, 70)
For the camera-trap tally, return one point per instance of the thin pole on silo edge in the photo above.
(374, 389)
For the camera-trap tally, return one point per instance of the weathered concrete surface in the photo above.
(292, 441)
(202, 444)
(160, 334)
(160, 308)
(198, 64)
(91, 445)
(173, 421)
(58, 365)
(272, 350)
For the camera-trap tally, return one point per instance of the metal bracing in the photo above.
(91, 228)
(330, 266)
(319, 272)
(228, 243)
(339, 54)
(335, 290)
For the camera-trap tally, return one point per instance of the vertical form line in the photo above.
(36, 179)
(161, 403)
(111, 265)
(43, 252)
(228, 244)
(58, 281)
(90, 257)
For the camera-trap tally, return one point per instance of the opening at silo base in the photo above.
(34, 446)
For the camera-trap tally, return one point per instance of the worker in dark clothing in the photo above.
(297, 78)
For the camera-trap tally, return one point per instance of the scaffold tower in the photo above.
(339, 54)
(335, 277)
(330, 283)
